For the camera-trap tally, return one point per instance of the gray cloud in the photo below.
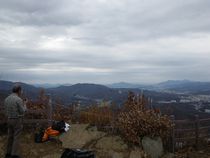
(104, 41)
(36, 13)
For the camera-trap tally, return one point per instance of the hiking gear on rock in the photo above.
(55, 130)
(77, 153)
(60, 126)
(39, 136)
(67, 127)
(44, 135)
(49, 132)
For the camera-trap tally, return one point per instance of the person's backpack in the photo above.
(59, 126)
(49, 132)
(77, 153)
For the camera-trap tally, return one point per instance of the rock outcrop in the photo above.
(114, 143)
(137, 153)
(153, 147)
(105, 146)
(80, 136)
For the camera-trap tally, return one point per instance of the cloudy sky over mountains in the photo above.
(104, 41)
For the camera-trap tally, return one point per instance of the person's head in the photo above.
(17, 89)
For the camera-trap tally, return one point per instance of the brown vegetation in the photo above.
(136, 120)
(98, 116)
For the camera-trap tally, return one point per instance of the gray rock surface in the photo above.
(52, 156)
(136, 153)
(153, 147)
(114, 143)
(168, 155)
(114, 154)
(79, 136)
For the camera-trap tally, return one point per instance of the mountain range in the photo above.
(178, 86)
(181, 86)
(93, 93)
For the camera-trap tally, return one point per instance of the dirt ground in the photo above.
(53, 148)
(194, 154)
(29, 149)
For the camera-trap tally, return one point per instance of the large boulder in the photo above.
(153, 147)
(114, 154)
(136, 153)
(168, 155)
(52, 156)
(114, 143)
(79, 136)
(82, 136)
(109, 154)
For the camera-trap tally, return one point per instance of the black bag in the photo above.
(39, 136)
(59, 126)
(77, 153)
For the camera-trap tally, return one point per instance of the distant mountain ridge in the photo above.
(93, 93)
(50, 85)
(85, 93)
(28, 90)
(173, 85)
(89, 93)
(125, 85)
(170, 85)
(183, 86)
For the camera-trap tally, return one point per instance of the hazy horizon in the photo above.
(101, 41)
(111, 83)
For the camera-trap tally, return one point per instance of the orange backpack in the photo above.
(49, 132)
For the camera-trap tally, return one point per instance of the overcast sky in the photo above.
(104, 41)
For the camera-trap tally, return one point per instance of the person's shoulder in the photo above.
(8, 97)
(18, 98)
(15, 97)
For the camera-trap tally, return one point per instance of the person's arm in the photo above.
(21, 107)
